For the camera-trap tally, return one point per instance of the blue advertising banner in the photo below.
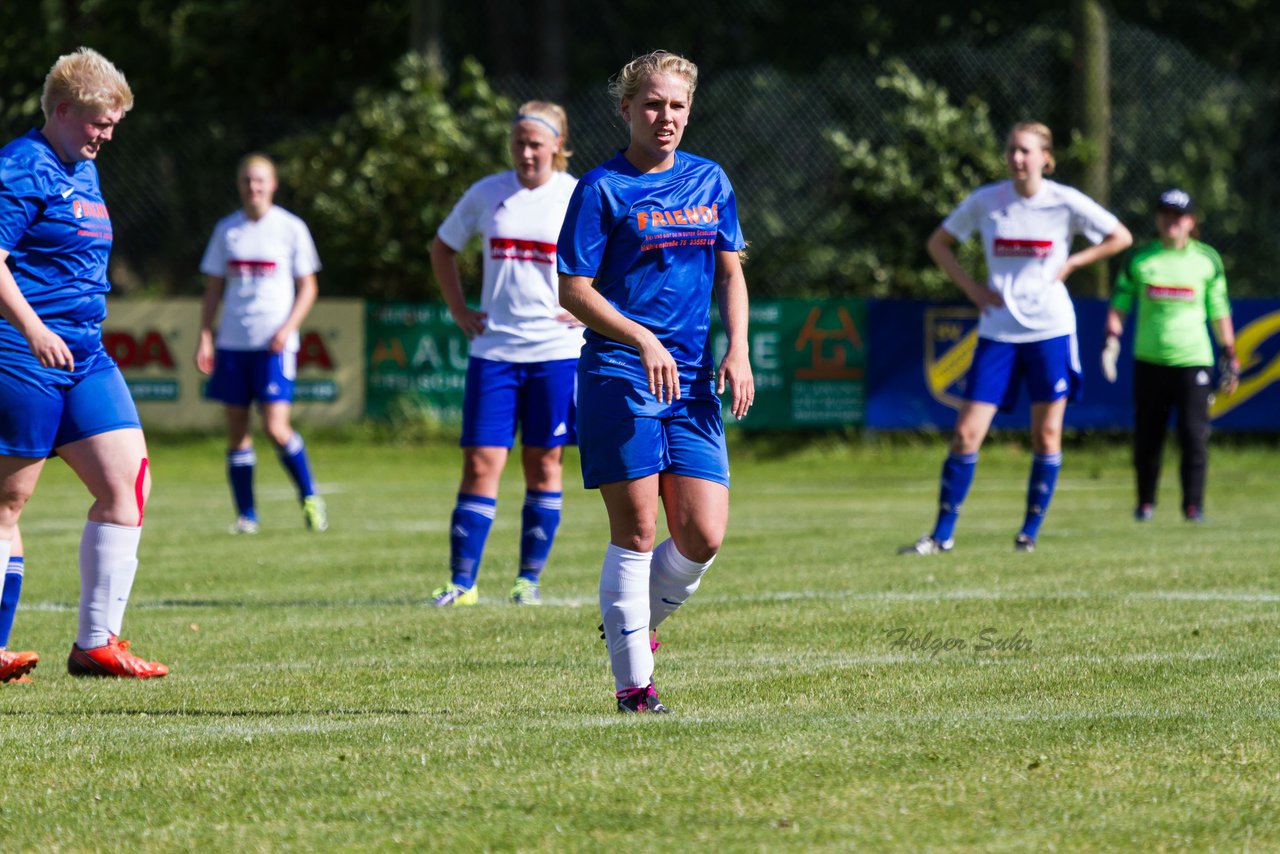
(918, 352)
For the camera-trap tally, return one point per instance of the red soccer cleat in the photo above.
(114, 659)
(14, 666)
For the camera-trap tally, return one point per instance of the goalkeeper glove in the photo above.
(1228, 374)
(1110, 357)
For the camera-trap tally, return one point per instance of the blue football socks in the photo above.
(538, 522)
(468, 530)
(1040, 486)
(9, 598)
(957, 477)
(240, 474)
(293, 456)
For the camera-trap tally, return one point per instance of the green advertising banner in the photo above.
(417, 357)
(808, 357)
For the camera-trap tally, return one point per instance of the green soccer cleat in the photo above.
(314, 514)
(525, 592)
(455, 596)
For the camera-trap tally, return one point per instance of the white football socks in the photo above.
(624, 609)
(108, 563)
(672, 580)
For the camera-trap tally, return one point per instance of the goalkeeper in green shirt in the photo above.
(1173, 284)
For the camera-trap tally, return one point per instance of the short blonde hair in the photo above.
(86, 79)
(553, 115)
(256, 158)
(626, 83)
(1040, 130)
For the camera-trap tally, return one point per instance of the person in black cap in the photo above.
(1173, 284)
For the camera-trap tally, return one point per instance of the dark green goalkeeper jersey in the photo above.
(1175, 292)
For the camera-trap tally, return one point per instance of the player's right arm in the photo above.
(583, 301)
(213, 287)
(444, 263)
(47, 346)
(941, 247)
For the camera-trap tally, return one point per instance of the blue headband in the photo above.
(546, 124)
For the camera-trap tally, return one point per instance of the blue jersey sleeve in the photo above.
(728, 232)
(584, 234)
(21, 200)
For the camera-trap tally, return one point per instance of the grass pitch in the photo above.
(1116, 690)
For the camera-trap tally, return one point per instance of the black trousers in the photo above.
(1159, 390)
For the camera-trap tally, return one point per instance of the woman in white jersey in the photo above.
(261, 266)
(524, 350)
(1027, 328)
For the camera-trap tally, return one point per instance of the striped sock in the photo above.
(538, 523)
(957, 477)
(293, 456)
(9, 599)
(468, 530)
(1040, 486)
(240, 464)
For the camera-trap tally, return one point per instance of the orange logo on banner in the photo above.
(388, 351)
(830, 348)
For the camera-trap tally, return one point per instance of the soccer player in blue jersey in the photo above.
(1027, 328)
(60, 392)
(260, 266)
(649, 236)
(524, 351)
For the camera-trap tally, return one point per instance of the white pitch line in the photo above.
(962, 595)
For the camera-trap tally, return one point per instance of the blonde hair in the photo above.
(554, 116)
(86, 79)
(255, 158)
(626, 83)
(1042, 131)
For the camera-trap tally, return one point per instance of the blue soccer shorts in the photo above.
(1050, 369)
(242, 376)
(45, 408)
(624, 433)
(535, 397)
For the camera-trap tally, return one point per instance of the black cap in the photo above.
(1175, 200)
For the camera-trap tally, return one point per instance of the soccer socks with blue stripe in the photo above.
(624, 610)
(468, 531)
(12, 592)
(672, 580)
(1040, 486)
(240, 464)
(108, 564)
(957, 477)
(293, 456)
(538, 523)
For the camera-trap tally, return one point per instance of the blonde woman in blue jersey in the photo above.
(59, 389)
(650, 235)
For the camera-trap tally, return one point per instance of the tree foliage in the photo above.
(376, 186)
(890, 195)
